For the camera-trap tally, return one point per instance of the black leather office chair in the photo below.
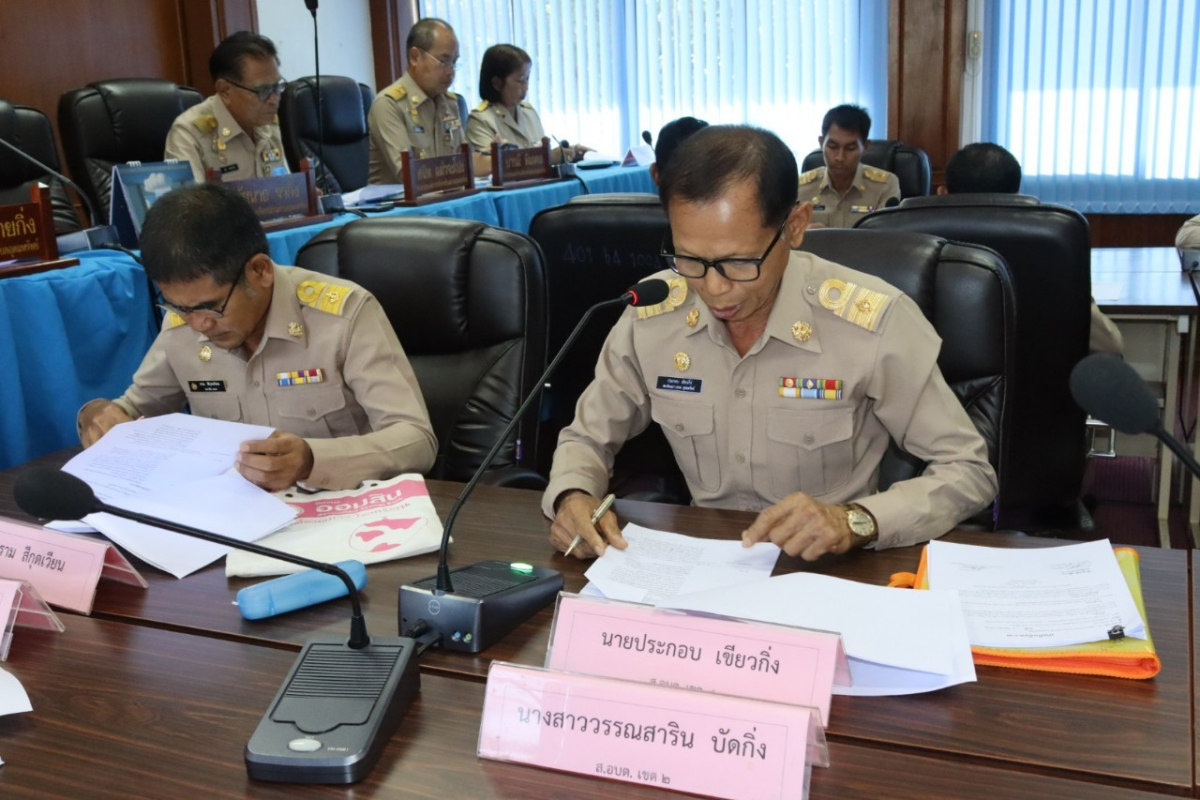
(29, 130)
(344, 107)
(967, 293)
(597, 246)
(909, 164)
(1047, 248)
(468, 302)
(112, 122)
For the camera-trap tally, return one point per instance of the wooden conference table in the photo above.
(1015, 732)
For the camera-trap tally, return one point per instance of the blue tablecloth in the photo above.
(66, 337)
(286, 244)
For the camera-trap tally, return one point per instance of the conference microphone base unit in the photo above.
(336, 711)
(490, 598)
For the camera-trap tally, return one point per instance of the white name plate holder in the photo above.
(710, 744)
(704, 652)
(64, 568)
(20, 606)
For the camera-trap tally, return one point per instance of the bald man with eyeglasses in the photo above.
(234, 135)
(248, 340)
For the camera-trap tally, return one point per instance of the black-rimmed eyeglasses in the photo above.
(263, 93)
(731, 269)
(204, 310)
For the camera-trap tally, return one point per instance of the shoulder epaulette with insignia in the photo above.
(873, 174)
(173, 320)
(483, 106)
(811, 175)
(322, 296)
(396, 92)
(853, 303)
(675, 298)
(206, 123)
(526, 104)
(451, 95)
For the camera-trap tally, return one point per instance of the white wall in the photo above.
(345, 30)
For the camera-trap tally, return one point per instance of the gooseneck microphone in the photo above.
(493, 597)
(1112, 392)
(342, 699)
(82, 194)
(647, 138)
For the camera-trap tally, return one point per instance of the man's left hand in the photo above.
(803, 527)
(275, 463)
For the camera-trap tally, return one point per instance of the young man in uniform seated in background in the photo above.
(247, 340)
(845, 189)
(779, 378)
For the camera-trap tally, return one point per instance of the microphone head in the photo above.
(564, 144)
(647, 293)
(647, 138)
(1112, 392)
(49, 493)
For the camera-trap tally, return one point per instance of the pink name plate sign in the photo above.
(614, 639)
(708, 744)
(63, 568)
(20, 606)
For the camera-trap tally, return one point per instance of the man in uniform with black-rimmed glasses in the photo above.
(234, 135)
(779, 378)
(247, 340)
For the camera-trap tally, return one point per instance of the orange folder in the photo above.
(1121, 658)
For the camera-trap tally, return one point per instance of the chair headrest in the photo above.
(341, 108)
(140, 112)
(8, 122)
(972, 199)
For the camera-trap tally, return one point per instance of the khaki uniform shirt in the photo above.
(362, 415)
(846, 363)
(403, 116)
(488, 119)
(870, 190)
(208, 137)
(1188, 237)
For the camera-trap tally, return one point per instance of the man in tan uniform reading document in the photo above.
(247, 340)
(778, 377)
(234, 135)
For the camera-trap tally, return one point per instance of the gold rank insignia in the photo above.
(874, 174)
(675, 298)
(322, 296)
(693, 317)
(226, 132)
(682, 361)
(397, 92)
(811, 175)
(206, 123)
(295, 329)
(482, 106)
(861, 306)
(173, 320)
(801, 331)
(206, 353)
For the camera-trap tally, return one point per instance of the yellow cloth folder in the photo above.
(1121, 658)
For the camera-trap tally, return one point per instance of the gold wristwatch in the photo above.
(861, 523)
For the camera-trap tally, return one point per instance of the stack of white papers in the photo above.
(657, 566)
(897, 641)
(1037, 597)
(179, 468)
(13, 699)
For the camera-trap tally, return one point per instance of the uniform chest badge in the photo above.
(300, 376)
(295, 329)
(206, 353)
(693, 317)
(811, 388)
(801, 331)
(682, 361)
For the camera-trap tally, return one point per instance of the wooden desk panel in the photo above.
(1138, 731)
(123, 710)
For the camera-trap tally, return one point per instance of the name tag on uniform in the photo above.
(819, 207)
(229, 168)
(861, 209)
(279, 171)
(418, 128)
(206, 386)
(673, 384)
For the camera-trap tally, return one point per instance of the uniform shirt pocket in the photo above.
(689, 429)
(215, 405)
(313, 411)
(810, 450)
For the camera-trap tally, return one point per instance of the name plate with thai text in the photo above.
(20, 231)
(63, 568)
(440, 174)
(521, 164)
(276, 197)
(614, 639)
(708, 744)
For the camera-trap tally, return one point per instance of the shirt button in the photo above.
(809, 438)
(739, 458)
(679, 427)
(312, 412)
(254, 384)
(740, 393)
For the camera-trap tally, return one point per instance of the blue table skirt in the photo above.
(66, 337)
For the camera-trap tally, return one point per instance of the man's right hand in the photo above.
(574, 517)
(97, 418)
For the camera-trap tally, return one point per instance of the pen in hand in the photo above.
(600, 511)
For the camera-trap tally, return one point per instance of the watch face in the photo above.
(860, 522)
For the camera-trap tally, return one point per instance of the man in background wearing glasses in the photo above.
(779, 378)
(246, 340)
(419, 110)
(234, 135)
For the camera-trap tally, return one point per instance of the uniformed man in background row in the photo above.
(419, 110)
(234, 135)
(778, 377)
(246, 340)
(845, 189)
